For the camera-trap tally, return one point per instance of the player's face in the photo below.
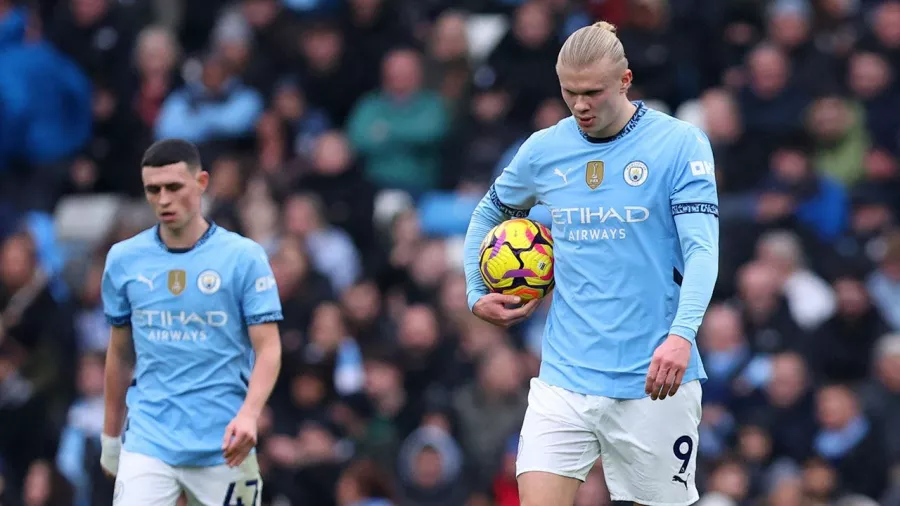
(174, 193)
(594, 93)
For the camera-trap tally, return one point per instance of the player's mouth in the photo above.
(585, 122)
(167, 216)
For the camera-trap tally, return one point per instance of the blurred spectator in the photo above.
(850, 442)
(771, 104)
(524, 57)
(873, 82)
(98, 35)
(79, 447)
(767, 319)
(448, 69)
(218, 108)
(46, 118)
(884, 283)
(398, 131)
(881, 395)
(843, 345)
(840, 136)
(809, 298)
(490, 409)
(330, 248)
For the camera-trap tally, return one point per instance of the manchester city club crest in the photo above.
(209, 281)
(177, 281)
(636, 173)
(593, 174)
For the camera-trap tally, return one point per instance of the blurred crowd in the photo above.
(353, 138)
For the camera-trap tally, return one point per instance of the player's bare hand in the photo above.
(667, 367)
(240, 438)
(492, 308)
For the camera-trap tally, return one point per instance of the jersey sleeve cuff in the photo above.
(685, 332)
(118, 321)
(272, 316)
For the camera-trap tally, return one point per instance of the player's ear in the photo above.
(627, 76)
(203, 179)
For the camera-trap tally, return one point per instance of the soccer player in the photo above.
(194, 349)
(634, 209)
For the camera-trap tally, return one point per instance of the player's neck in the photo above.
(626, 111)
(186, 237)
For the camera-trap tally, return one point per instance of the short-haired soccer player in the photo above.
(194, 349)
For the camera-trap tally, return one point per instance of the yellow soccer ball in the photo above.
(516, 258)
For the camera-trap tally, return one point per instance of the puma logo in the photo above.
(679, 479)
(145, 280)
(564, 176)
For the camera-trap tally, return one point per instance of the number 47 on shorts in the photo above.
(238, 492)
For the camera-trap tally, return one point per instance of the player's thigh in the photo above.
(649, 448)
(557, 446)
(145, 481)
(539, 488)
(222, 485)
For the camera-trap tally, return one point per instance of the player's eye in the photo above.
(151, 189)
(174, 187)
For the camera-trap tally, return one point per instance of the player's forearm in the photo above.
(485, 217)
(262, 379)
(699, 236)
(118, 375)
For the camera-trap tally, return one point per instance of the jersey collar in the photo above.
(203, 238)
(632, 123)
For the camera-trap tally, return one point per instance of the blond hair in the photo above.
(591, 44)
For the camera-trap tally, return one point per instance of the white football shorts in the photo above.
(647, 448)
(146, 481)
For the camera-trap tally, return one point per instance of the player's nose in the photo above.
(164, 198)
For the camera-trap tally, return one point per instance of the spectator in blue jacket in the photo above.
(45, 109)
(219, 107)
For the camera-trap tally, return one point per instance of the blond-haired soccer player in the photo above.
(632, 196)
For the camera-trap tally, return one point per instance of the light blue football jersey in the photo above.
(189, 311)
(632, 216)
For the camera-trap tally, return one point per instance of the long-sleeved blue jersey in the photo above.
(636, 241)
